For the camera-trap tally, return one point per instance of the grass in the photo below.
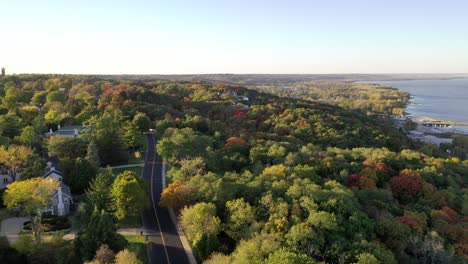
(139, 155)
(132, 222)
(137, 170)
(137, 244)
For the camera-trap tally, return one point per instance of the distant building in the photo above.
(3, 72)
(66, 131)
(5, 177)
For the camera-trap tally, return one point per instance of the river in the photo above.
(439, 99)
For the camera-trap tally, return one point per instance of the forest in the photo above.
(370, 98)
(311, 174)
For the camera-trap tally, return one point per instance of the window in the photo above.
(5, 180)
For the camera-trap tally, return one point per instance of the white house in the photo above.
(5, 177)
(62, 199)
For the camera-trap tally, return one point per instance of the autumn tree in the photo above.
(127, 257)
(14, 158)
(30, 197)
(177, 195)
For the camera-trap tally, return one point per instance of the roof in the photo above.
(52, 171)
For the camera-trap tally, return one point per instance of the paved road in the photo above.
(164, 245)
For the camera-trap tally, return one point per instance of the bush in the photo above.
(51, 224)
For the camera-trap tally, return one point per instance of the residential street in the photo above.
(164, 244)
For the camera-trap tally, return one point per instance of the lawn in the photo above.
(137, 244)
(139, 155)
(131, 222)
(137, 170)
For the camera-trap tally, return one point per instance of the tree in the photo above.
(126, 257)
(101, 229)
(10, 125)
(256, 249)
(207, 244)
(107, 134)
(14, 158)
(39, 98)
(198, 220)
(78, 173)
(407, 185)
(366, 258)
(240, 217)
(284, 256)
(30, 197)
(183, 143)
(56, 96)
(131, 135)
(28, 136)
(92, 154)
(142, 122)
(99, 192)
(66, 147)
(130, 195)
(176, 195)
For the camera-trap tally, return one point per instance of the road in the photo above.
(164, 245)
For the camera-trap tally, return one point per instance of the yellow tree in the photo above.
(14, 158)
(30, 197)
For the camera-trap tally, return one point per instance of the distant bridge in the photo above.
(442, 124)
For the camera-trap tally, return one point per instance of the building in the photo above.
(3, 72)
(62, 198)
(5, 177)
(66, 131)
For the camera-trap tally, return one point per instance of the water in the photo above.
(439, 99)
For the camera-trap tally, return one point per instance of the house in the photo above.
(62, 198)
(5, 177)
(66, 131)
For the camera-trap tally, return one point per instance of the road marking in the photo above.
(154, 207)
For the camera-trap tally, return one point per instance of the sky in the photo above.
(235, 36)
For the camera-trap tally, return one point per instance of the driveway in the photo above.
(11, 227)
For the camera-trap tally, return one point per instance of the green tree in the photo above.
(240, 218)
(130, 195)
(107, 134)
(66, 147)
(39, 98)
(183, 143)
(141, 122)
(101, 229)
(29, 136)
(99, 192)
(78, 173)
(92, 154)
(284, 256)
(366, 258)
(30, 197)
(198, 220)
(56, 96)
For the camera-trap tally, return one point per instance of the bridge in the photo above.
(442, 124)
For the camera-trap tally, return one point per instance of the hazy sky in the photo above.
(236, 36)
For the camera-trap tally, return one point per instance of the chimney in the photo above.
(50, 131)
(75, 131)
(58, 126)
(3, 72)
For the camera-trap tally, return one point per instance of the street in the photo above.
(164, 245)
